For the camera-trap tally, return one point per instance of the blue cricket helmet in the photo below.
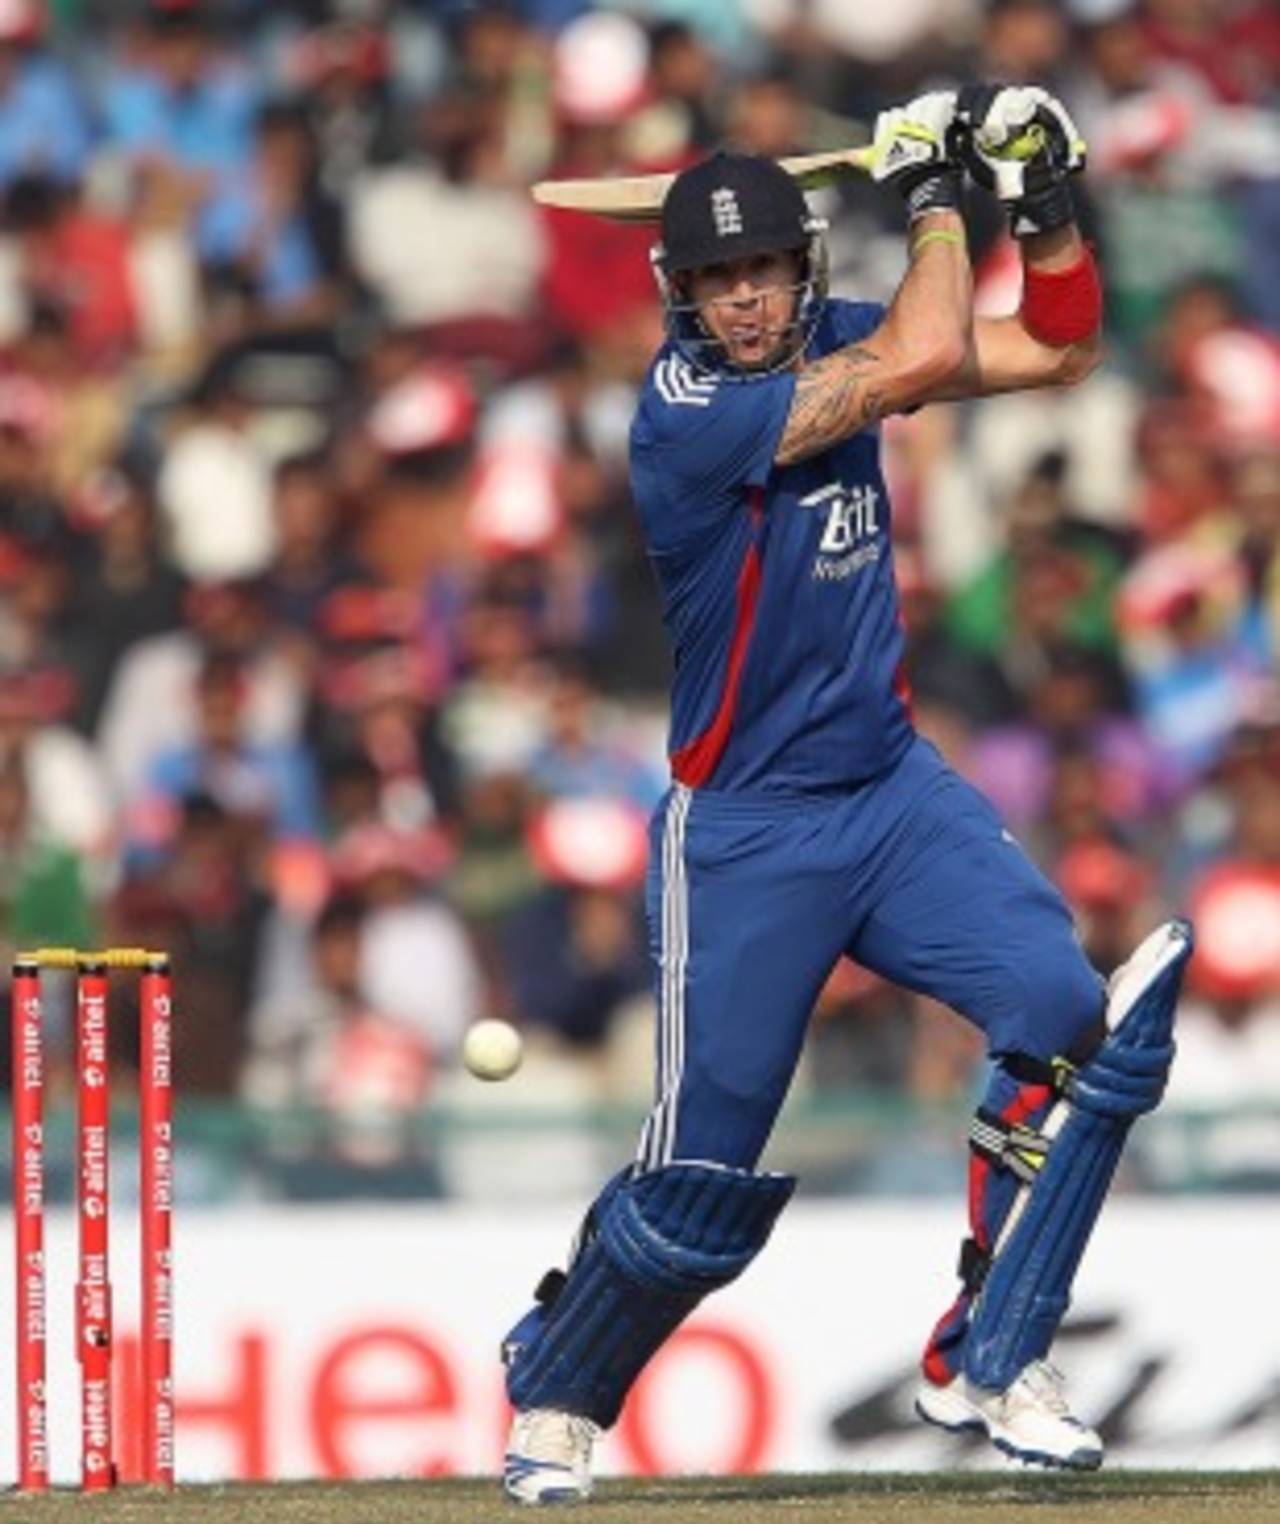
(729, 207)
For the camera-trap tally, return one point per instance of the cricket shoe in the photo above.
(548, 1457)
(1030, 1420)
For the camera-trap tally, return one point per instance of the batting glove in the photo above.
(913, 152)
(1019, 141)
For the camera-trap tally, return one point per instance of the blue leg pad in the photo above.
(1027, 1286)
(653, 1246)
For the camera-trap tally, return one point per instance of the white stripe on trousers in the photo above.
(657, 1141)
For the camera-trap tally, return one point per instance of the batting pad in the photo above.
(657, 1244)
(1027, 1288)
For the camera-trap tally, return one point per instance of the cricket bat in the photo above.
(638, 198)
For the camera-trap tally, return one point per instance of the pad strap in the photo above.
(1008, 1145)
(975, 1261)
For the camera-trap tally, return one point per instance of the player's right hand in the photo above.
(913, 152)
(1020, 142)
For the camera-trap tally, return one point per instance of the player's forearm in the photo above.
(1053, 340)
(922, 344)
(1063, 257)
(929, 323)
(1054, 251)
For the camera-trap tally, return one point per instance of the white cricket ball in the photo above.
(492, 1049)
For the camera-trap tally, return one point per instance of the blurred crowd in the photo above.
(329, 654)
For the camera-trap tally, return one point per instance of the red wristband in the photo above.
(1061, 307)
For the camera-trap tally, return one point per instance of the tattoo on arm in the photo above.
(834, 397)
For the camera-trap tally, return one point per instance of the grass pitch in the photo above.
(1000, 1497)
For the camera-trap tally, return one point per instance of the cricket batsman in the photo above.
(806, 819)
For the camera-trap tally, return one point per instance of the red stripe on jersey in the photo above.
(902, 687)
(901, 681)
(696, 760)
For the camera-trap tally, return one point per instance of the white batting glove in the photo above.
(1020, 142)
(913, 152)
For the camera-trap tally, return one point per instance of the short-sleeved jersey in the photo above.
(777, 582)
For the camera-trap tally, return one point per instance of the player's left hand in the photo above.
(1020, 142)
(914, 151)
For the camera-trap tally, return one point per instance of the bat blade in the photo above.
(638, 198)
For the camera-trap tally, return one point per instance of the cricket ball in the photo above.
(492, 1049)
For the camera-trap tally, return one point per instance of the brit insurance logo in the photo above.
(850, 532)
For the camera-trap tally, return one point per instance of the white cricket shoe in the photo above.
(548, 1457)
(1030, 1420)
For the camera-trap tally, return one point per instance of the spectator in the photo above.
(214, 487)
(343, 71)
(272, 786)
(577, 760)
(1218, 47)
(126, 590)
(496, 716)
(965, 685)
(72, 261)
(1171, 157)
(311, 559)
(1113, 894)
(1255, 475)
(862, 1033)
(1229, 1030)
(1052, 584)
(320, 1045)
(494, 877)
(270, 233)
(682, 71)
(1182, 483)
(65, 421)
(174, 95)
(596, 272)
(408, 928)
(164, 269)
(1197, 659)
(205, 903)
(45, 896)
(454, 199)
(151, 703)
(380, 710)
(67, 794)
(37, 575)
(1023, 41)
(1074, 725)
(576, 958)
(44, 127)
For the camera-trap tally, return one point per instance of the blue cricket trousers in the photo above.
(752, 898)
